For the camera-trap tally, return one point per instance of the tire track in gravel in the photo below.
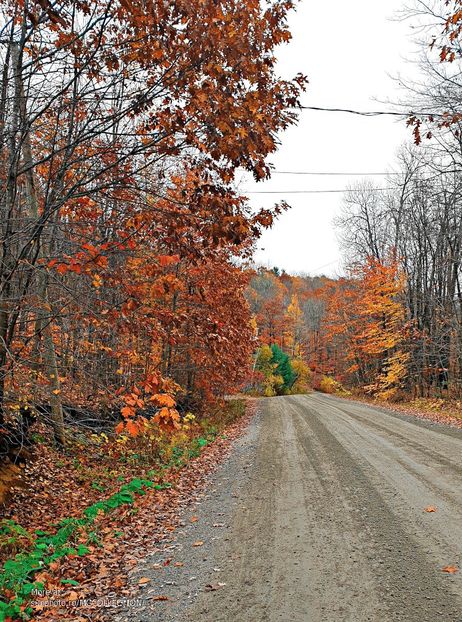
(387, 423)
(412, 479)
(409, 583)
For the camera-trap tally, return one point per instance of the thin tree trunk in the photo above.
(44, 325)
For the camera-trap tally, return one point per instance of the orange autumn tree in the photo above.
(266, 295)
(341, 354)
(384, 331)
(366, 326)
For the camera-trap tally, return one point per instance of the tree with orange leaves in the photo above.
(366, 327)
(266, 295)
(122, 125)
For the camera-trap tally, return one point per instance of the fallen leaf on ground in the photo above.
(198, 543)
(102, 571)
(194, 519)
(160, 598)
(430, 508)
(450, 569)
(178, 564)
(144, 580)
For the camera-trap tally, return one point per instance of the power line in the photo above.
(335, 174)
(326, 265)
(311, 191)
(376, 113)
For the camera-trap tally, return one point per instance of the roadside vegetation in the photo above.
(74, 505)
(354, 336)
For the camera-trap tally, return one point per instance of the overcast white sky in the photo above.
(349, 51)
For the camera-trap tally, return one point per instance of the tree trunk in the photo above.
(44, 325)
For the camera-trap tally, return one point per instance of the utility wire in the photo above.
(311, 191)
(329, 174)
(376, 113)
(326, 265)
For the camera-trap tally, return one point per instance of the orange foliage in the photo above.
(349, 331)
(365, 323)
(138, 236)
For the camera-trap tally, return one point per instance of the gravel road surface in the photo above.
(318, 516)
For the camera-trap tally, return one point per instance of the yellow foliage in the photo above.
(331, 386)
(294, 326)
(100, 438)
(303, 382)
(272, 382)
(392, 377)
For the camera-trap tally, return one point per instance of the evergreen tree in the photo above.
(283, 368)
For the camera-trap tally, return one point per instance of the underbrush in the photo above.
(69, 498)
(327, 384)
(448, 407)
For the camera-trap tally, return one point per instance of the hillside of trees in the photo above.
(391, 329)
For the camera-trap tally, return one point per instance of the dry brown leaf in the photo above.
(431, 508)
(194, 519)
(450, 569)
(160, 598)
(144, 580)
(198, 543)
(178, 564)
(102, 571)
(73, 596)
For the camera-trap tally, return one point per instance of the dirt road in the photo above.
(319, 517)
